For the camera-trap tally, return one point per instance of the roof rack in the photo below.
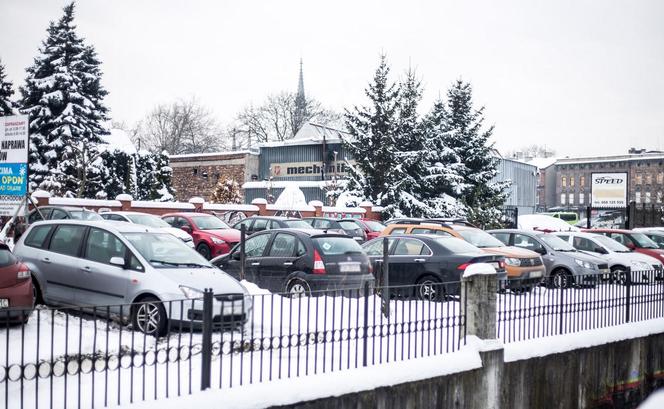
(419, 221)
(452, 220)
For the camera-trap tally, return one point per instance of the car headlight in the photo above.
(191, 293)
(640, 265)
(512, 261)
(217, 241)
(585, 264)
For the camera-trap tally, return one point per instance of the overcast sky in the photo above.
(582, 77)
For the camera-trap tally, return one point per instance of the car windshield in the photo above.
(209, 223)
(297, 224)
(374, 225)
(84, 215)
(556, 243)
(6, 258)
(643, 241)
(611, 244)
(332, 246)
(147, 220)
(454, 245)
(163, 250)
(480, 238)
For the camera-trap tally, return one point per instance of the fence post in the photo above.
(479, 306)
(386, 278)
(243, 236)
(561, 304)
(206, 345)
(516, 217)
(365, 336)
(628, 292)
(588, 214)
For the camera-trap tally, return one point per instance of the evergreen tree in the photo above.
(7, 106)
(119, 174)
(372, 143)
(63, 96)
(466, 137)
(153, 177)
(227, 191)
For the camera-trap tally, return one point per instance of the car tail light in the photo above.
(23, 273)
(319, 266)
(370, 268)
(463, 266)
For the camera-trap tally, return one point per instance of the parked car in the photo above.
(300, 261)
(633, 240)
(543, 222)
(255, 224)
(150, 220)
(568, 217)
(343, 226)
(62, 213)
(17, 294)
(212, 237)
(618, 256)
(90, 263)
(563, 262)
(653, 233)
(524, 267)
(372, 228)
(434, 263)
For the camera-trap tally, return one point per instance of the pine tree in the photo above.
(7, 106)
(63, 96)
(372, 143)
(466, 137)
(227, 191)
(153, 177)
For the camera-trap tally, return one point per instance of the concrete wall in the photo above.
(615, 375)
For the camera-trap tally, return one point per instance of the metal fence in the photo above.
(563, 305)
(96, 357)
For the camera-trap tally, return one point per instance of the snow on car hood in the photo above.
(179, 233)
(509, 251)
(627, 258)
(231, 235)
(543, 222)
(202, 278)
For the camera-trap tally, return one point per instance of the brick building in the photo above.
(645, 171)
(198, 174)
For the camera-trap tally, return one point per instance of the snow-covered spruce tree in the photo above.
(466, 137)
(153, 177)
(227, 191)
(372, 143)
(7, 105)
(63, 96)
(119, 173)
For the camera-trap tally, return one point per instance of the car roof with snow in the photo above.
(123, 212)
(308, 232)
(120, 227)
(521, 231)
(272, 217)
(588, 235)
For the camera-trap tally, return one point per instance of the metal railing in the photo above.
(566, 304)
(97, 357)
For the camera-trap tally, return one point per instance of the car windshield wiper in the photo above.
(168, 263)
(193, 265)
(352, 252)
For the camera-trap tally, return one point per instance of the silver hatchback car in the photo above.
(91, 263)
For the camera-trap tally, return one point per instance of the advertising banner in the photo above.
(609, 189)
(13, 162)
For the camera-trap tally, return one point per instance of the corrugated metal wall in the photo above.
(523, 190)
(297, 153)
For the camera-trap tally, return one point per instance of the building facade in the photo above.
(523, 180)
(645, 172)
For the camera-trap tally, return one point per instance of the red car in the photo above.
(634, 240)
(371, 227)
(212, 237)
(17, 296)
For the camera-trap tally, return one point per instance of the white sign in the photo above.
(609, 190)
(13, 162)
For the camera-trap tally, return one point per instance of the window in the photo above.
(638, 179)
(376, 247)
(255, 246)
(301, 249)
(581, 243)
(422, 230)
(67, 239)
(659, 197)
(411, 247)
(37, 236)
(621, 238)
(563, 198)
(647, 197)
(182, 222)
(582, 181)
(637, 197)
(102, 246)
(398, 230)
(170, 220)
(649, 179)
(527, 242)
(58, 214)
(283, 245)
(246, 223)
(571, 181)
(259, 225)
(35, 217)
(323, 224)
(660, 178)
(582, 198)
(563, 183)
(571, 198)
(504, 237)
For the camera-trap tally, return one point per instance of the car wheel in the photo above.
(430, 289)
(149, 317)
(204, 250)
(37, 297)
(562, 278)
(298, 288)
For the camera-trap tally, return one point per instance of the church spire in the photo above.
(300, 104)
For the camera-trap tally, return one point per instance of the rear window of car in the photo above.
(374, 226)
(349, 225)
(6, 258)
(37, 236)
(332, 246)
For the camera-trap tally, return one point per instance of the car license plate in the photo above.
(349, 267)
(535, 274)
(4, 303)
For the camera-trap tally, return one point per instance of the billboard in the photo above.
(13, 162)
(609, 189)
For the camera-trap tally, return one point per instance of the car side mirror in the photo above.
(600, 250)
(540, 250)
(117, 261)
(186, 229)
(631, 246)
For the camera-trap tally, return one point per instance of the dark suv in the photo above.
(254, 224)
(300, 261)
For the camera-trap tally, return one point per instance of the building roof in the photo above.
(311, 134)
(542, 163)
(611, 158)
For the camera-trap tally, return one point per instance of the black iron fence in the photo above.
(646, 215)
(97, 357)
(565, 304)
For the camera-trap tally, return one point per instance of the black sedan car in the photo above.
(344, 226)
(254, 224)
(300, 261)
(432, 264)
